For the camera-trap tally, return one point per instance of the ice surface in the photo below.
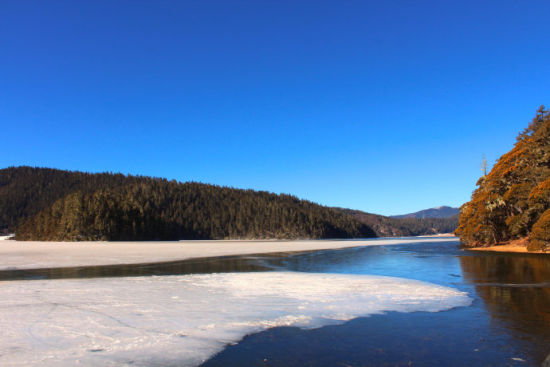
(29, 255)
(184, 320)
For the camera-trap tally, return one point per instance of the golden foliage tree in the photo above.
(514, 195)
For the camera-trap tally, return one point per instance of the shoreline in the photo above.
(518, 246)
(514, 246)
(507, 249)
(16, 255)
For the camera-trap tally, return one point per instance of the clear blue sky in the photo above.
(385, 106)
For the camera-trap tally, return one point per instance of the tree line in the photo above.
(49, 204)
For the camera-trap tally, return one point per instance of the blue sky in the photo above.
(384, 106)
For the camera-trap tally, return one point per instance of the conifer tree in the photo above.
(513, 197)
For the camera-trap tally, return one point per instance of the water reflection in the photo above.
(520, 269)
(515, 290)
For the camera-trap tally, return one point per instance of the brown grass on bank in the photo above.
(519, 245)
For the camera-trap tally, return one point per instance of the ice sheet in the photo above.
(28, 254)
(184, 320)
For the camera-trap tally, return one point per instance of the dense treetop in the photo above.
(48, 204)
(51, 204)
(24, 191)
(513, 200)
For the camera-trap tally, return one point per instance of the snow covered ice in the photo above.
(184, 320)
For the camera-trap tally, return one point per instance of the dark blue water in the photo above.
(508, 323)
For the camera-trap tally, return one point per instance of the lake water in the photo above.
(508, 323)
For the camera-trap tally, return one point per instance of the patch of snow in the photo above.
(7, 237)
(184, 320)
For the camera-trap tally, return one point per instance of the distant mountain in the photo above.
(439, 212)
(403, 227)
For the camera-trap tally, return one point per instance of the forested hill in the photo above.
(401, 227)
(50, 204)
(439, 212)
(513, 200)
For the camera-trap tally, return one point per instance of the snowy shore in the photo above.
(28, 255)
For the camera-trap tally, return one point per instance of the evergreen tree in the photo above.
(512, 198)
(45, 204)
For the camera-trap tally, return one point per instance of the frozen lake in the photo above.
(428, 303)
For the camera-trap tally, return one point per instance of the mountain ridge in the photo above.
(443, 211)
(385, 226)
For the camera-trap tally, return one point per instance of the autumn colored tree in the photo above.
(514, 195)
